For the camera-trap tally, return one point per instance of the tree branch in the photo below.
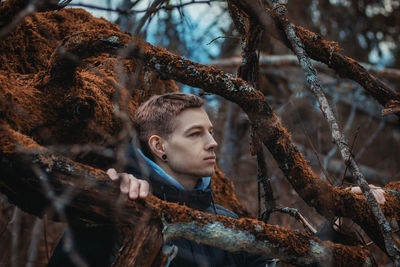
(248, 71)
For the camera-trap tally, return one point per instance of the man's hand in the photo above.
(135, 188)
(377, 191)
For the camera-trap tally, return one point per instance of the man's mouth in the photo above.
(210, 159)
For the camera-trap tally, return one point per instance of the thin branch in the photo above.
(46, 244)
(271, 61)
(147, 10)
(222, 37)
(370, 140)
(298, 47)
(298, 216)
(248, 71)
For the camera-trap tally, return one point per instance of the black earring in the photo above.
(164, 157)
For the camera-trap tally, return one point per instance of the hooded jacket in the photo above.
(96, 245)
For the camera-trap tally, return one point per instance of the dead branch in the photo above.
(298, 216)
(334, 165)
(97, 200)
(275, 61)
(248, 71)
(392, 107)
(152, 9)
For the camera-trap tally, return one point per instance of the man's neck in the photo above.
(187, 181)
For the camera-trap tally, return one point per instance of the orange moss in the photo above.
(43, 107)
(305, 34)
(41, 90)
(12, 142)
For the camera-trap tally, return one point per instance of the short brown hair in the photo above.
(156, 116)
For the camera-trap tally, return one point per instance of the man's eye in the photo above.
(195, 134)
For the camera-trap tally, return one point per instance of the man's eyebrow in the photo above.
(197, 127)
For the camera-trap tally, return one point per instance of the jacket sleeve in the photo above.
(92, 246)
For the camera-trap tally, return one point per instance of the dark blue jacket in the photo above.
(96, 245)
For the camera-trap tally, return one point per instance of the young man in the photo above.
(176, 140)
(177, 160)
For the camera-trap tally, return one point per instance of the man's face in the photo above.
(190, 147)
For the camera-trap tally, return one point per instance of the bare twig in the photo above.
(147, 10)
(298, 47)
(222, 37)
(46, 244)
(251, 32)
(371, 139)
(298, 216)
(267, 61)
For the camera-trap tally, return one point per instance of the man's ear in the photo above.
(156, 146)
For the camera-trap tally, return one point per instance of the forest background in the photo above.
(204, 32)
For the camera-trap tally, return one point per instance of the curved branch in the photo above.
(259, 238)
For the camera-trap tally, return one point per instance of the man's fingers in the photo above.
(133, 188)
(130, 184)
(144, 188)
(356, 190)
(112, 173)
(376, 191)
(379, 195)
(125, 183)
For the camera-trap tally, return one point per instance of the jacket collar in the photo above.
(167, 188)
(202, 184)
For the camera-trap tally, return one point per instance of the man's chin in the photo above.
(209, 173)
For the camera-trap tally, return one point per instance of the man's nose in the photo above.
(211, 143)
